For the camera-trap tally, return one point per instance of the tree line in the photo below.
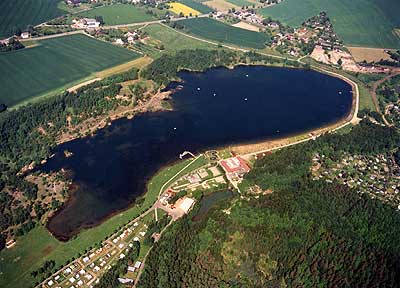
(306, 233)
(164, 69)
(23, 143)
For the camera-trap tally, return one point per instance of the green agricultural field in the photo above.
(224, 33)
(38, 245)
(171, 40)
(241, 3)
(196, 6)
(53, 64)
(119, 14)
(21, 13)
(368, 23)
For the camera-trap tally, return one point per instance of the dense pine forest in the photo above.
(306, 233)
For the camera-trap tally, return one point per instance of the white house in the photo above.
(25, 35)
(119, 41)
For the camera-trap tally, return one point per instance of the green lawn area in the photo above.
(20, 13)
(53, 64)
(368, 23)
(196, 6)
(220, 32)
(172, 40)
(38, 245)
(119, 14)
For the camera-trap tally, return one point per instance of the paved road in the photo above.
(55, 35)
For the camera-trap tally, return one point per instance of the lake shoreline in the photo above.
(234, 147)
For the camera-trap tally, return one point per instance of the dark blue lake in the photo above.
(216, 108)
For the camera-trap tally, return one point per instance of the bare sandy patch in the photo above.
(368, 54)
(76, 87)
(246, 26)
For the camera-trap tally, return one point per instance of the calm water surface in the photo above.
(215, 108)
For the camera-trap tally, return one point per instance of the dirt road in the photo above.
(375, 97)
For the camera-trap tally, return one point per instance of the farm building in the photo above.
(85, 23)
(185, 204)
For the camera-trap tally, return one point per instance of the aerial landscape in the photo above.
(199, 143)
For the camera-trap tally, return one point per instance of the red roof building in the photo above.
(235, 165)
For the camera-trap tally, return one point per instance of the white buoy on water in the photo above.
(245, 99)
(174, 128)
(340, 92)
(198, 88)
(215, 94)
(247, 75)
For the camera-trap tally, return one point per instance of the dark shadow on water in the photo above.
(216, 108)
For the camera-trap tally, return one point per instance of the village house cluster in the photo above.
(129, 38)
(323, 28)
(248, 15)
(378, 176)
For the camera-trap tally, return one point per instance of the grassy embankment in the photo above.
(38, 245)
(368, 23)
(54, 65)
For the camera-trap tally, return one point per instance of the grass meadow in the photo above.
(38, 245)
(119, 14)
(196, 6)
(54, 64)
(171, 40)
(21, 13)
(220, 32)
(367, 23)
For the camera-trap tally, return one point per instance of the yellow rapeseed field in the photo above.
(177, 8)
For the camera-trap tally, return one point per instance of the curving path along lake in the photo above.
(216, 108)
